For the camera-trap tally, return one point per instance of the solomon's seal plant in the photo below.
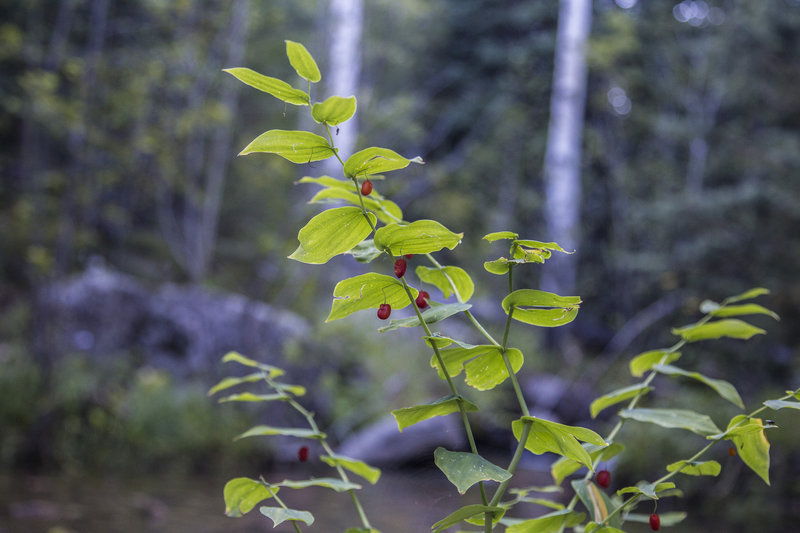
(373, 230)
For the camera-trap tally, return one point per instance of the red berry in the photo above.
(409, 256)
(422, 299)
(302, 454)
(400, 268)
(384, 311)
(366, 188)
(603, 478)
(732, 451)
(655, 522)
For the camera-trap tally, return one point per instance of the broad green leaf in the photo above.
(541, 308)
(387, 211)
(498, 235)
(279, 515)
(236, 357)
(744, 309)
(723, 388)
(327, 181)
(455, 358)
(302, 61)
(367, 291)
(408, 416)
(541, 245)
(465, 469)
(365, 251)
(753, 446)
(243, 494)
(747, 295)
(431, 315)
(299, 147)
(334, 110)
(617, 396)
(374, 161)
(596, 502)
(673, 418)
(420, 237)
(265, 431)
(330, 233)
(359, 468)
(498, 266)
(565, 466)
(547, 436)
(696, 468)
(650, 490)
(464, 513)
(277, 88)
(297, 390)
(554, 522)
(731, 327)
(781, 404)
(524, 255)
(439, 277)
(227, 383)
(487, 371)
(250, 397)
(327, 482)
(645, 361)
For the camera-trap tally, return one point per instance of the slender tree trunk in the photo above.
(563, 155)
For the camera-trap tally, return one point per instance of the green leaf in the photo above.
(279, 515)
(387, 211)
(299, 147)
(327, 482)
(359, 468)
(487, 371)
(744, 309)
(554, 522)
(432, 315)
(420, 237)
(331, 233)
(408, 416)
(650, 490)
(498, 266)
(617, 396)
(297, 390)
(236, 357)
(465, 469)
(243, 494)
(360, 530)
(265, 431)
(696, 468)
(250, 397)
(596, 502)
(277, 88)
(302, 62)
(541, 308)
(565, 466)
(593, 527)
(464, 513)
(327, 181)
(747, 295)
(374, 161)
(497, 235)
(334, 110)
(547, 436)
(731, 327)
(367, 291)
(673, 418)
(645, 361)
(723, 388)
(667, 519)
(439, 277)
(227, 383)
(365, 251)
(753, 446)
(541, 245)
(781, 404)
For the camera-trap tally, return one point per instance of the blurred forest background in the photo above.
(135, 248)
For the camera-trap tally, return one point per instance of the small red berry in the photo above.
(384, 311)
(732, 451)
(603, 478)
(655, 522)
(422, 299)
(409, 256)
(366, 188)
(400, 268)
(302, 454)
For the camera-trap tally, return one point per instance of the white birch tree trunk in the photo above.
(563, 156)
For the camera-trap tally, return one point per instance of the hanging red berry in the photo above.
(422, 299)
(732, 451)
(384, 311)
(302, 454)
(366, 188)
(400, 268)
(655, 522)
(603, 478)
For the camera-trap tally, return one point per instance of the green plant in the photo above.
(347, 230)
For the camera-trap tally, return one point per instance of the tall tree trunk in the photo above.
(563, 155)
